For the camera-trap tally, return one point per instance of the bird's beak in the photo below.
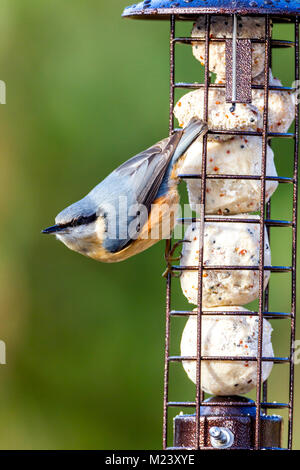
(53, 229)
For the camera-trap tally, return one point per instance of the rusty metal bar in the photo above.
(196, 86)
(294, 243)
(268, 228)
(191, 404)
(172, 74)
(279, 179)
(166, 369)
(238, 313)
(274, 42)
(271, 223)
(273, 269)
(276, 360)
(199, 393)
(230, 132)
(262, 232)
(168, 247)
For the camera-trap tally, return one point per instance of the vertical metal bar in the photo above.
(199, 393)
(172, 73)
(262, 234)
(294, 246)
(267, 291)
(168, 246)
(166, 371)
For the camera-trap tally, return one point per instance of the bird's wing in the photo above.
(139, 179)
(144, 172)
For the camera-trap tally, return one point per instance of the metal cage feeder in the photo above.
(232, 421)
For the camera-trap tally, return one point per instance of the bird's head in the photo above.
(80, 227)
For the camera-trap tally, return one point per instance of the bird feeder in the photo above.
(233, 39)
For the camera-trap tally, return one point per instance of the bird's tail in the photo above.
(190, 133)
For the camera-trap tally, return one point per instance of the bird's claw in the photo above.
(169, 269)
(170, 259)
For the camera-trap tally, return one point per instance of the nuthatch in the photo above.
(131, 209)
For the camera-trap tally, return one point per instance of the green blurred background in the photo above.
(85, 341)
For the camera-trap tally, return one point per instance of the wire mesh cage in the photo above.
(247, 422)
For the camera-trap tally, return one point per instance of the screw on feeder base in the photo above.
(217, 434)
(221, 438)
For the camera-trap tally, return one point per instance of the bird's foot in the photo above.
(169, 252)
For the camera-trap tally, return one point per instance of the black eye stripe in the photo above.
(84, 220)
(80, 221)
